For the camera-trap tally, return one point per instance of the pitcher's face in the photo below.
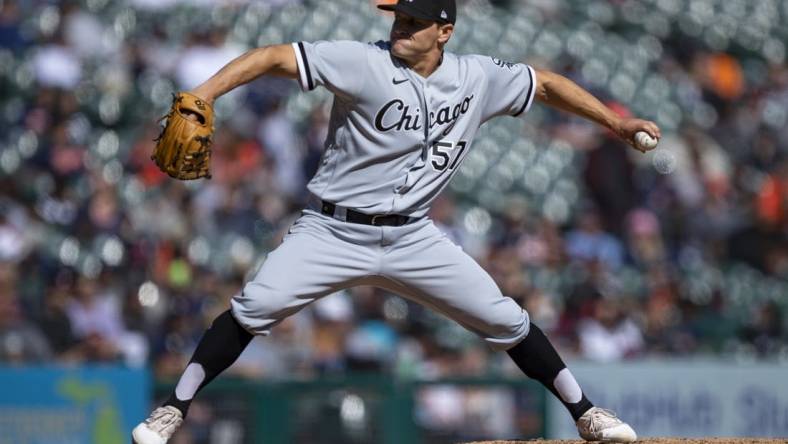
(412, 37)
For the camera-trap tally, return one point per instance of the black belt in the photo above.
(353, 216)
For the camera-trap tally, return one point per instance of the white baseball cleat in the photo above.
(159, 426)
(603, 425)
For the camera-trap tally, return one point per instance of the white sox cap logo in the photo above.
(442, 11)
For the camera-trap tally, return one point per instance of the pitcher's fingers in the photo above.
(653, 130)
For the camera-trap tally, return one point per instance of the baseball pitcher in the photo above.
(404, 116)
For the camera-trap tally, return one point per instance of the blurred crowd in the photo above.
(105, 259)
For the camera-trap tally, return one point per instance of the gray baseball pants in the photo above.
(321, 255)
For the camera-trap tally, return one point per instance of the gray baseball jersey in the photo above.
(395, 140)
(384, 153)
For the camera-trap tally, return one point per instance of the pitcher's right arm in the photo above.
(275, 60)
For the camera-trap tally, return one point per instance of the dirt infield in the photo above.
(654, 441)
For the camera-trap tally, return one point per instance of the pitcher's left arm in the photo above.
(559, 92)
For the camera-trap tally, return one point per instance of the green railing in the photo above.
(316, 411)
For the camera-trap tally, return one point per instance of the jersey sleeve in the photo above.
(339, 66)
(510, 87)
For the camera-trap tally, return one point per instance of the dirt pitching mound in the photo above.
(653, 441)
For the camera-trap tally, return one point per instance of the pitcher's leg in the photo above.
(219, 347)
(538, 359)
(314, 260)
(305, 267)
(433, 271)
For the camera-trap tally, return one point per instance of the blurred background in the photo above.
(661, 276)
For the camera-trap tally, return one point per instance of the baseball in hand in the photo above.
(644, 141)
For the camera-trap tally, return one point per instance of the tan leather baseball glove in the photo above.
(183, 149)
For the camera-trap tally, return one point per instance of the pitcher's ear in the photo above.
(446, 32)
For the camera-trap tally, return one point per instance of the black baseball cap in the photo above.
(441, 11)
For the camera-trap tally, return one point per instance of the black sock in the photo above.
(538, 359)
(219, 347)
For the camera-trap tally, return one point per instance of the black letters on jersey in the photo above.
(396, 115)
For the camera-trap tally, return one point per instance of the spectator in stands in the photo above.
(609, 335)
(21, 341)
(590, 242)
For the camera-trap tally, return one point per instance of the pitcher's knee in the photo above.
(258, 308)
(507, 332)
